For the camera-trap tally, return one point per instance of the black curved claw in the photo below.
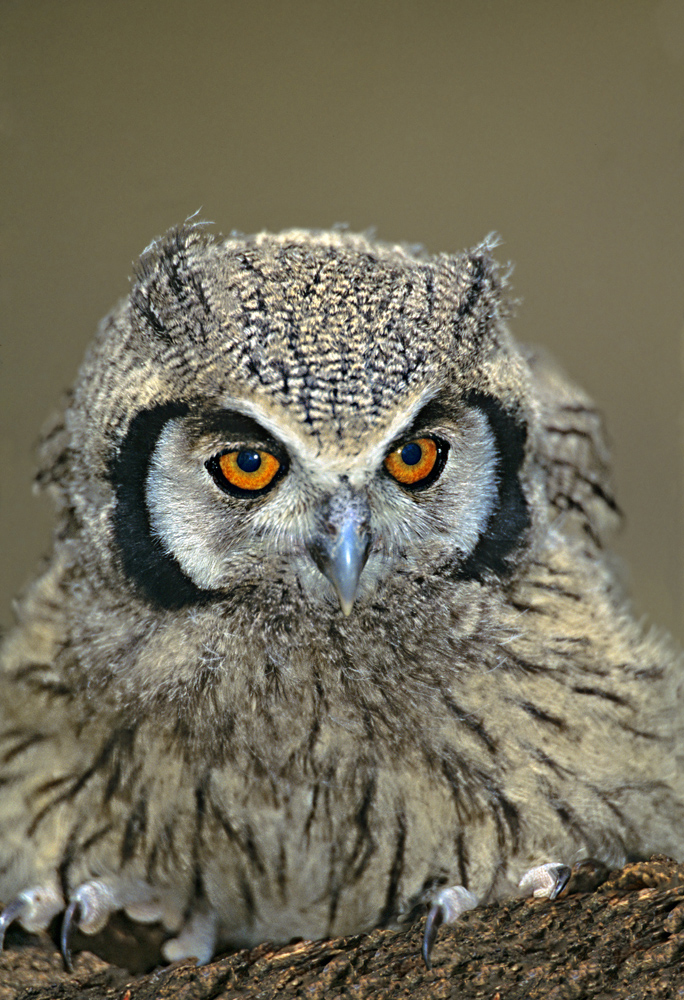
(435, 919)
(563, 874)
(8, 916)
(72, 917)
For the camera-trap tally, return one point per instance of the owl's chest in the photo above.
(332, 821)
(327, 846)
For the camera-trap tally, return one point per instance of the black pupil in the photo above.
(248, 461)
(411, 454)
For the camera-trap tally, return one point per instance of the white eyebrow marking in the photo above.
(326, 467)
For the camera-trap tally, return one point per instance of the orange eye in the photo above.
(247, 470)
(414, 462)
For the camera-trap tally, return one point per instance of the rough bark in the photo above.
(624, 939)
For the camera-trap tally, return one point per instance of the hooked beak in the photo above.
(340, 548)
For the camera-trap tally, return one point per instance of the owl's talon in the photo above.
(72, 918)
(446, 909)
(33, 908)
(92, 904)
(96, 901)
(435, 919)
(11, 912)
(545, 881)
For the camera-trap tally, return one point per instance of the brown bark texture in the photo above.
(622, 939)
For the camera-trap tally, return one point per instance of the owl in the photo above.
(328, 636)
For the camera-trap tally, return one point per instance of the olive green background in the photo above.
(558, 124)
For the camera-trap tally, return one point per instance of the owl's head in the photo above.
(309, 412)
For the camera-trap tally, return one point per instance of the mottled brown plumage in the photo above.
(304, 709)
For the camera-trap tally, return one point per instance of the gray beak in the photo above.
(340, 546)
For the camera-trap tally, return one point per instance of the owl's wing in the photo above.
(573, 452)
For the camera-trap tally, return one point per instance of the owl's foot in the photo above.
(89, 909)
(545, 881)
(446, 909)
(196, 940)
(92, 904)
(34, 909)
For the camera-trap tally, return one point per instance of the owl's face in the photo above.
(305, 413)
(226, 492)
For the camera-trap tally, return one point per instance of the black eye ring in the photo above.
(406, 458)
(246, 471)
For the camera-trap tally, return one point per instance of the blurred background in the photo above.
(559, 125)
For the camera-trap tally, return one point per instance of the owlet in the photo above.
(328, 633)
